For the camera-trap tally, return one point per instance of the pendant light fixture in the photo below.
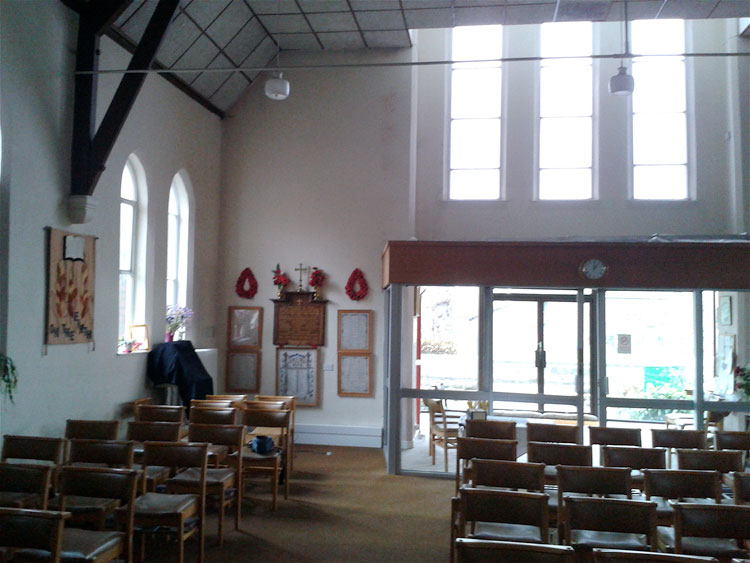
(622, 83)
(277, 88)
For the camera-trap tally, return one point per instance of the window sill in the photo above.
(134, 353)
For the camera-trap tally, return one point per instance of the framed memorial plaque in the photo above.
(355, 375)
(355, 330)
(245, 328)
(243, 372)
(297, 374)
(299, 320)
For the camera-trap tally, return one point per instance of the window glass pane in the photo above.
(127, 186)
(172, 246)
(659, 139)
(173, 207)
(568, 39)
(475, 143)
(565, 90)
(476, 92)
(565, 142)
(565, 184)
(658, 37)
(126, 236)
(475, 184)
(660, 182)
(125, 303)
(477, 42)
(660, 86)
(171, 292)
(514, 342)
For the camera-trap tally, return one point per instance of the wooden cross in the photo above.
(301, 271)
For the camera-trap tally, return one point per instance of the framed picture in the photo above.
(243, 372)
(725, 310)
(355, 330)
(245, 327)
(297, 374)
(355, 375)
(139, 334)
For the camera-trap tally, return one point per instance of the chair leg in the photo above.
(445, 448)
(238, 502)
(275, 485)
(202, 532)
(222, 505)
(181, 541)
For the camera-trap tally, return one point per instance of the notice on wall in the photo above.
(299, 320)
(624, 344)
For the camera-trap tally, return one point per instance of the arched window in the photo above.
(177, 242)
(132, 240)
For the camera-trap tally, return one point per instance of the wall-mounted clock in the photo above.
(593, 269)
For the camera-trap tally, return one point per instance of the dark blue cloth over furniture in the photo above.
(178, 364)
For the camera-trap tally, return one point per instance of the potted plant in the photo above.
(8, 375)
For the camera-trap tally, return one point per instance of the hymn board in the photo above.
(299, 320)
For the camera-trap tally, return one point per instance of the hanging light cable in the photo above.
(622, 83)
(277, 88)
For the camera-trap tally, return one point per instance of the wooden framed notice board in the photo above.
(244, 341)
(354, 332)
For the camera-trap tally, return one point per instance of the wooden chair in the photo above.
(561, 433)
(741, 488)
(92, 429)
(574, 480)
(443, 428)
(264, 405)
(210, 415)
(553, 454)
(636, 459)
(106, 453)
(608, 436)
(501, 474)
(224, 483)
(480, 551)
(275, 462)
(49, 450)
(178, 515)
(714, 530)
(290, 403)
(116, 485)
(212, 403)
(24, 485)
(481, 448)
(726, 440)
(162, 413)
(227, 397)
(22, 528)
(496, 429)
(609, 523)
(672, 438)
(625, 556)
(663, 485)
(142, 432)
(723, 461)
(492, 514)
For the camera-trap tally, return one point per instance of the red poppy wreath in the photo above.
(356, 279)
(247, 285)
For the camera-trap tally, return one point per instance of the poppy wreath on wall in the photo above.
(356, 287)
(247, 285)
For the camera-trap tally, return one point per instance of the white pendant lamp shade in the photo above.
(621, 84)
(277, 88)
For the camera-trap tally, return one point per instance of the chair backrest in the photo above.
(34, 447)
(92, 429)
(672, 438)
(213, 403)
(635, 458)
(593, 480)
(177, 455)
(290, 400)
(507, 474)
(726, 440)
(211, 415)
(229, 397)
(232, 435)
(608, 436)
(497, 429)
(720, 460)
(470, 550)
(112, 453)
(482, 448)
(159, 413)
(563, 433)
(741, 488)
(100, 482)
(154, 431)
(510, 507)
(551, 453)
(27, 478)
(265, 405)
(34, 529)
(678, 484)
(617, 555)
(262, 417)
(710, 521)
(611, 515)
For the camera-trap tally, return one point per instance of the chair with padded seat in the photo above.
(238, 397)
(608, 436)
(493, 514)
(561, 433)
(180, 516)
(672, 439)
(723, 461)
(480, 551)
(273, 464)
(594, 522)
(37, 448)
(636, 459)
(553, 454)
(92, 429)
(24, 485)
(626, 556)
(495, 429)
(481, 448)
(106, 453)
(714, 530)
(290, 403)
(162, 413)
(40, 530)
(663, 485)
(214, 415)
(223, 483)
(444, 428)
(502, 474)
(152, 431)
(731, 440)
(741, 488)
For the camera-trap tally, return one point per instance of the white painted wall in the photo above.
(168, 132)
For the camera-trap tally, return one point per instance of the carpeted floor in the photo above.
(342, 507)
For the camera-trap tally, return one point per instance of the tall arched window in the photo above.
(177, 243)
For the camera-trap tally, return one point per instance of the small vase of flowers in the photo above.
(742, 380)
(280, 280)
(177, 319)
(317, 277)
